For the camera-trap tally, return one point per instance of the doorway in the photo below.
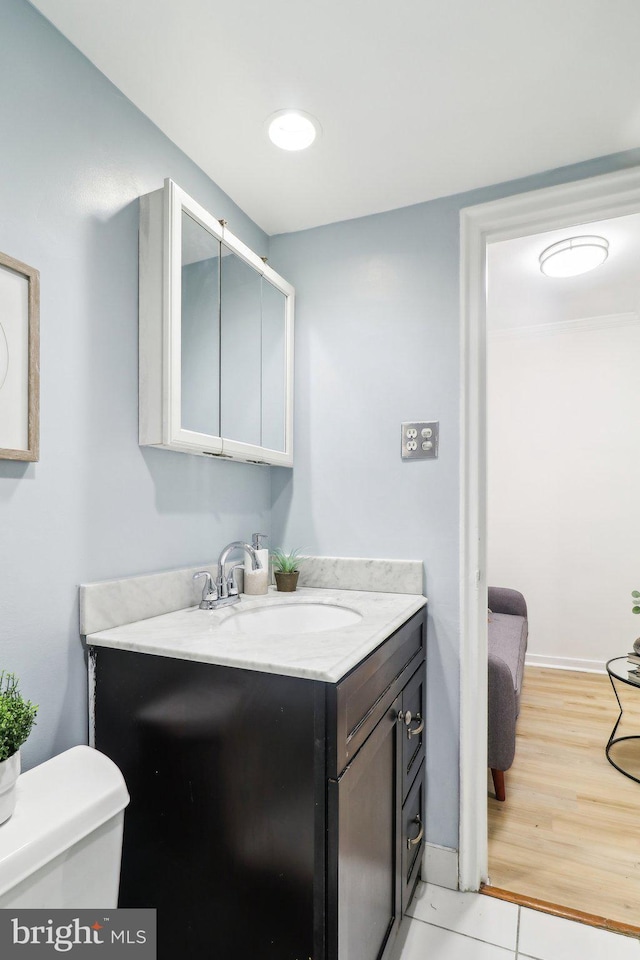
(563, 528)
(604, 197)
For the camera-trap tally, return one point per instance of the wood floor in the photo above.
(569, 830)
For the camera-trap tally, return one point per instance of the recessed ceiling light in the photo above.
(292, 129)
(571, 257)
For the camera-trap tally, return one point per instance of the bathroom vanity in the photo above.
(277, 782)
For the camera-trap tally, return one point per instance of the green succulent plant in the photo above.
(636, 601)
(286, 562)
(17, 716)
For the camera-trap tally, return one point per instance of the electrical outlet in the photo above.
(420, 440)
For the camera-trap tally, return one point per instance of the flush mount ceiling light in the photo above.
(574, 256)
(292, 129)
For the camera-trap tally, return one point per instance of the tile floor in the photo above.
(447, 925)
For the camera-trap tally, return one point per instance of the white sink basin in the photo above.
(289, 618)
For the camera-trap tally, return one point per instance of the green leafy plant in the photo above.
(17, 716)
(286, 562)
(636, 598)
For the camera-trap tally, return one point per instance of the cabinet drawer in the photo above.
(413, 733)
(357, 703)
(412, 836)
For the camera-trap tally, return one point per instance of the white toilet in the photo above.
(62, 846)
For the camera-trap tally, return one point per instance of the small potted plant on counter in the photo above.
(285, 569)
(17, 717)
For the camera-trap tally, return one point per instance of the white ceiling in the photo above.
(417, 98)
(519, 295)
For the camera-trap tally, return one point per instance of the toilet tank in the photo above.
(62, 846)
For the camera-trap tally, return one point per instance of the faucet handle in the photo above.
(209, 591)
(232, 583)
(256, 538)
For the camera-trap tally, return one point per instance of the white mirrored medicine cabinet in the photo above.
(216, 338)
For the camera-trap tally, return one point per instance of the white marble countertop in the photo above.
(194, 634)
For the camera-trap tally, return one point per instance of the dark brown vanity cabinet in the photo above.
(271, 817)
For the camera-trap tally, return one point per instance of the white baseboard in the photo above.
(440, 866)
(565, 663)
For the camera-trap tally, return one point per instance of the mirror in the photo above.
(274, 359)
(200, 329)
(253, 355)
(216, 338)
(240, 350)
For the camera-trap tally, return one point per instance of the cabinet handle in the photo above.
(418, 729)
(407, 718)
(413, 843)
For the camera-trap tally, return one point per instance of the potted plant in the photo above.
(285, 569)
(17, 717)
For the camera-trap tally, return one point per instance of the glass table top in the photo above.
(619, 668)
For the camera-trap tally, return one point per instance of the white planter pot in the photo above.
(9, 773)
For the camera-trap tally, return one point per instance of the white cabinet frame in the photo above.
(160, 363)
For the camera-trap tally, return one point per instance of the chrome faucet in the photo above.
(224, 592)
(226, 585)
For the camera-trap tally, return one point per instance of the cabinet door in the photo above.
(224, 836)
(179, 376)
(365, 806)
(254, 367)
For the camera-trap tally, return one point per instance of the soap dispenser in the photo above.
(256, 582)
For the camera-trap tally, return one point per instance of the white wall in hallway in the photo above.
(564, 465)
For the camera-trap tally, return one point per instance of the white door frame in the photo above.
(598, 198)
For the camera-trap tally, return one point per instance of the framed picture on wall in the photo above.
(19, 360)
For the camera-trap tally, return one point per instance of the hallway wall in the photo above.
(564, 523)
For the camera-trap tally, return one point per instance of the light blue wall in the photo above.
(74, 156)
(377, 341)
